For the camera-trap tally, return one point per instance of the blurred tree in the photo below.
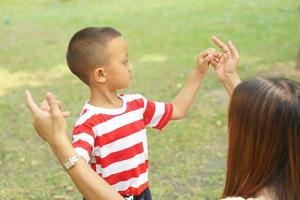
(298, 55)
(298, 59)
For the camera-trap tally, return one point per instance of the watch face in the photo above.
(71, 162)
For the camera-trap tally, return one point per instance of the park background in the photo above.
(188, 159)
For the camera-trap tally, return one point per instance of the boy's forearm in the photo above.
(183, 101)
(87, 181)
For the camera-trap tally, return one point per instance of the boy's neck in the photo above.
(105, 99)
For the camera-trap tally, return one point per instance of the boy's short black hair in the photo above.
(87, 49)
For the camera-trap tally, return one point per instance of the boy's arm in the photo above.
(51, 126)
(183, 101)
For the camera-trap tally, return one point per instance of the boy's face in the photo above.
(118, 69)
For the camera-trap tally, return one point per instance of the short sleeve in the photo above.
(83, 141)
(157, 114)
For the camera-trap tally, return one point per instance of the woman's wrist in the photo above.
(57, 141)
(232, 79)
(62, 148)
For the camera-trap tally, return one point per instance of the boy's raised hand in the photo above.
(50, 125)
(228, 61)
(203, 60)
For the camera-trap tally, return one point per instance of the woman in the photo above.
(264, 140)
(263, 133)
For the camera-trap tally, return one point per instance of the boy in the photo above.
(110, 133)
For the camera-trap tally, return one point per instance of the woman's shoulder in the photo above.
(241, 198)
(266, 193)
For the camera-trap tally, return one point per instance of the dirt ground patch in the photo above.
(286, 71)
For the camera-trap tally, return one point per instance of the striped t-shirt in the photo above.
(114, 141)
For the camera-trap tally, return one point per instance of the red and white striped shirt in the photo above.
(114, 141)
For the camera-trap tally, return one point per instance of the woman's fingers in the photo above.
(54, 108)
(31, 104)
(66, 114)
(220, 44)
(234, 52)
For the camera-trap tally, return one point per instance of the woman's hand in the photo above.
(225, 65)
(228, 61)
(49, 123)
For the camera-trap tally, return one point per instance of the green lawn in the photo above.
(187, 160)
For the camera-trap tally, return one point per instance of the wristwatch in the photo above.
(71, 162)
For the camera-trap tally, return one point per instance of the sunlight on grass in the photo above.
(154, 58)
(188, 160)
(13, 80)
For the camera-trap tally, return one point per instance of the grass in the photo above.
(187, 161)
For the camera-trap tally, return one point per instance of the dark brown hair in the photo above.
(264, 139)
(87, 49)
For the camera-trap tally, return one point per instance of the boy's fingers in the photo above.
(214, 65)
(54, 109)
(30, 103)
(203, 54)
(207, 59)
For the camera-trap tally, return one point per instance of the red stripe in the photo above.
(166, 117)
(84, 145)
(121, 155)
(149, 112)
(128, 174)
(83, 129)
(119, 133)
(135, 191)
(93, 166)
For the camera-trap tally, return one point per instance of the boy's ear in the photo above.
(99, 75)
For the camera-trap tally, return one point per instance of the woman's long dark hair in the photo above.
(264, 139)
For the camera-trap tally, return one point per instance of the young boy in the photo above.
(110, 133)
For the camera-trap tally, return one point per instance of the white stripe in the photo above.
(121, 144)
(123, 165)
(83, 153)
(145, 104)
(118, 122)
(132, 97)
(98, 169)
(133, 182)
(159, 111)
(85, 137)
(92, 112)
